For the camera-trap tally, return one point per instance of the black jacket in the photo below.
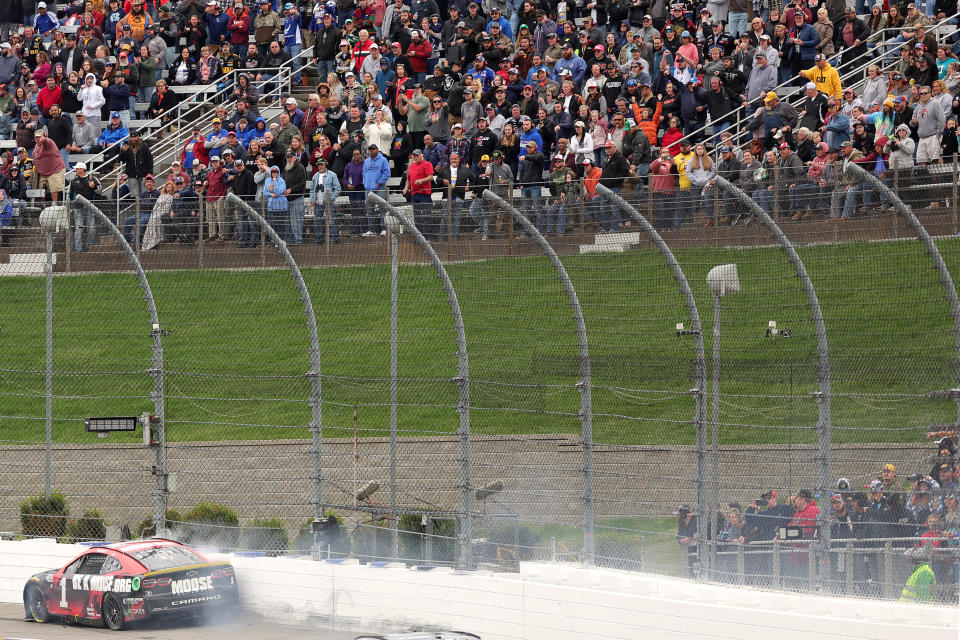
(81, 187)
(616, 169)
(60, 130)
(243, 184)
(327, 44)
(296, 179)
(139, 164)
(464, 178)
(531, 169)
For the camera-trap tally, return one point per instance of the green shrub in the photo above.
(210, 524)
(266, 534)
(90, 526)
(146, 529)
(44, 517)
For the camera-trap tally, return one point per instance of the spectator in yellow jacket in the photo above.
(825, 77)
(138, 19)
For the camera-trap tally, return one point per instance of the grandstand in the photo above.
(890, 325)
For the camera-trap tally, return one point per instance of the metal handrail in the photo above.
(742, 109)
(164, 149)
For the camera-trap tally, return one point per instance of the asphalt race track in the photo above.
(14, 627)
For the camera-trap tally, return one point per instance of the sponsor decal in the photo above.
(177, 603)
(191, 585)
(135, 606)
(135, 583)
(87, 582)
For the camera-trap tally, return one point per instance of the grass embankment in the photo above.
(236, 350)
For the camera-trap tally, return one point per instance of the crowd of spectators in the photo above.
(551, 98)
(924, 511)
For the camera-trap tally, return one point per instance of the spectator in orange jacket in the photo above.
(648, 123)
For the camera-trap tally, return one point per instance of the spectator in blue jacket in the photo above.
(217, 22)
(571, 62)
(497, 16)
(45, 23)
(292, 38)
(111, 136)
(804, 39)
(376, 172)
(117, 96)
(529, 132)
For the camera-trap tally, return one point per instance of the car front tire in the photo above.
(111, 611)
(35, 605)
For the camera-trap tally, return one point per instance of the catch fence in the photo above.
(263, 432)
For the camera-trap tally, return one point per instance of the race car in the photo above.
(117, 584)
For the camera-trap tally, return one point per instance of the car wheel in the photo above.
(112, 612)
(35, 604)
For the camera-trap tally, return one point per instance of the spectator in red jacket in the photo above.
(805, 518)
(420, 185)
(50, 95)
(194, 153)
(806, 515)
(239, 28)
(419, 52)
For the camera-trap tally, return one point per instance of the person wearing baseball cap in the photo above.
(564, 192)
(824, 76)
(324, 190)
(530, 172)
(88, 187)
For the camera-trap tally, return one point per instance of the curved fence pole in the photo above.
(700, 367)
(823, 360)
(316, 405)
(584, 386)
(935, 256)
(156, 369)
(463, 381)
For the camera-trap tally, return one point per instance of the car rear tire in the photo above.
(111, 611)
(35, 605)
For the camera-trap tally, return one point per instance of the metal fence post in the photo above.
(315, 400)
(510, 221)
(201, 236)
(740, 564)
(462, 379)
(263, 235)
(156, 369)
(889, 587)
(584, 385)
(136, 222)
(822, 395)
(327, 213)
(48, 394)
(700, 365)
(775, 560)
(849, 560)
(68, 250)
(394, 299)
(449, 212)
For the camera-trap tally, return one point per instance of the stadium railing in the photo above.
(853, 69)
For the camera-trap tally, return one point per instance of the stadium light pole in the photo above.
(721, 280)
(393, 229)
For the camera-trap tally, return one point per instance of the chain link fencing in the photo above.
(682, 410)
